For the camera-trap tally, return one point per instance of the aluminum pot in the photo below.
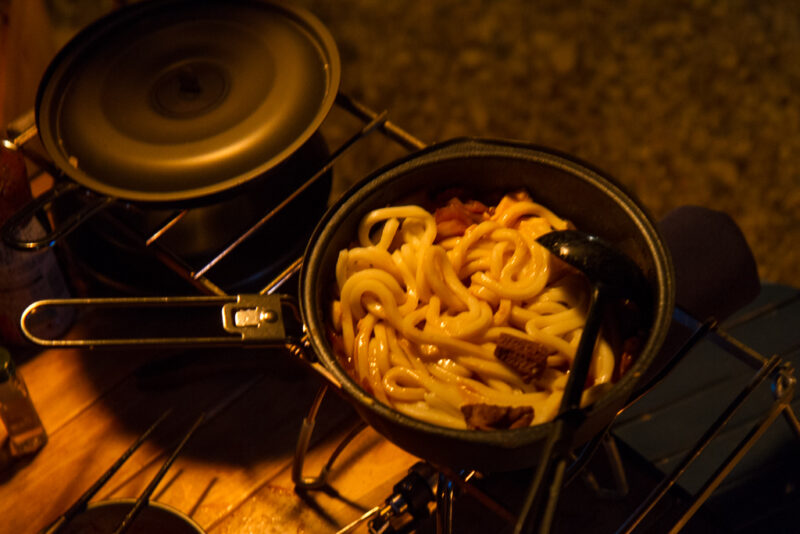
(183, 103)
(105, 260)
(183, 100)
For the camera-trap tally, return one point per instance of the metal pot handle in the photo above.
(14, 227)
(252, 320)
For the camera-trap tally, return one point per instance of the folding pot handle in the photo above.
(14, 234)
(250, 320)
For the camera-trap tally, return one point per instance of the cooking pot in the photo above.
(105, 257)
(482, 168)
(573, 190)
(169, 104)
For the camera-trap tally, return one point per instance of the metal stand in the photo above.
(449, 485)
(441, 487)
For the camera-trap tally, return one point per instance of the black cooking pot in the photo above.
(573, 190)
(482, 169)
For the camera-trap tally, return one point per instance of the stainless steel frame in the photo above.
(449, 485)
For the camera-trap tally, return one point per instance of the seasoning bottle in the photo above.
(25, 276)
(26, 434)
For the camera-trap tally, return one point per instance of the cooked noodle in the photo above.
(419, 314)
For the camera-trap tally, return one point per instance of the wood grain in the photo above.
(234, 474)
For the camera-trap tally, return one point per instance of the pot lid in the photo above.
(181, 99)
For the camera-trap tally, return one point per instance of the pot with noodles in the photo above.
(426, 295)
(459, 318)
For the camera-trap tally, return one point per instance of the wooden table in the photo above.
(234, 475)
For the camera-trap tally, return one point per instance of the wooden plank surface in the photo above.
(235, 472)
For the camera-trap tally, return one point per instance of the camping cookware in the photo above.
(483, 169)
(184, 103)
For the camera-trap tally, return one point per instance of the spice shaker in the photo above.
(25, 276)
(26, 434)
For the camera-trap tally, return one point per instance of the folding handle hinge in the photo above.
(255, 317)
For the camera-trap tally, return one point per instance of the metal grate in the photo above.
(445, 486)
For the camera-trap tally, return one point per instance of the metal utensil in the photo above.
(612, 275)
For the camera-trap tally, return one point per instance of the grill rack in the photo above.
(444, 484)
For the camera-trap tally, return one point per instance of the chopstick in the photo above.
(80, 505)
(144, 498)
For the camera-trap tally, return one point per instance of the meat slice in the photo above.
(454, 218)
(527, 358)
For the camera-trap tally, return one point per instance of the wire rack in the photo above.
(404, 510)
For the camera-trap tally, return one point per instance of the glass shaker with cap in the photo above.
(26, 434)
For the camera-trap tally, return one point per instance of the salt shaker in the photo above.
(26, 434)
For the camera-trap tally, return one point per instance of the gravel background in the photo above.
(685, 102)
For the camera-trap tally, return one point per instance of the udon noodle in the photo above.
(426, 301)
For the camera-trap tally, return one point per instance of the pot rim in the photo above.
(469, 147)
